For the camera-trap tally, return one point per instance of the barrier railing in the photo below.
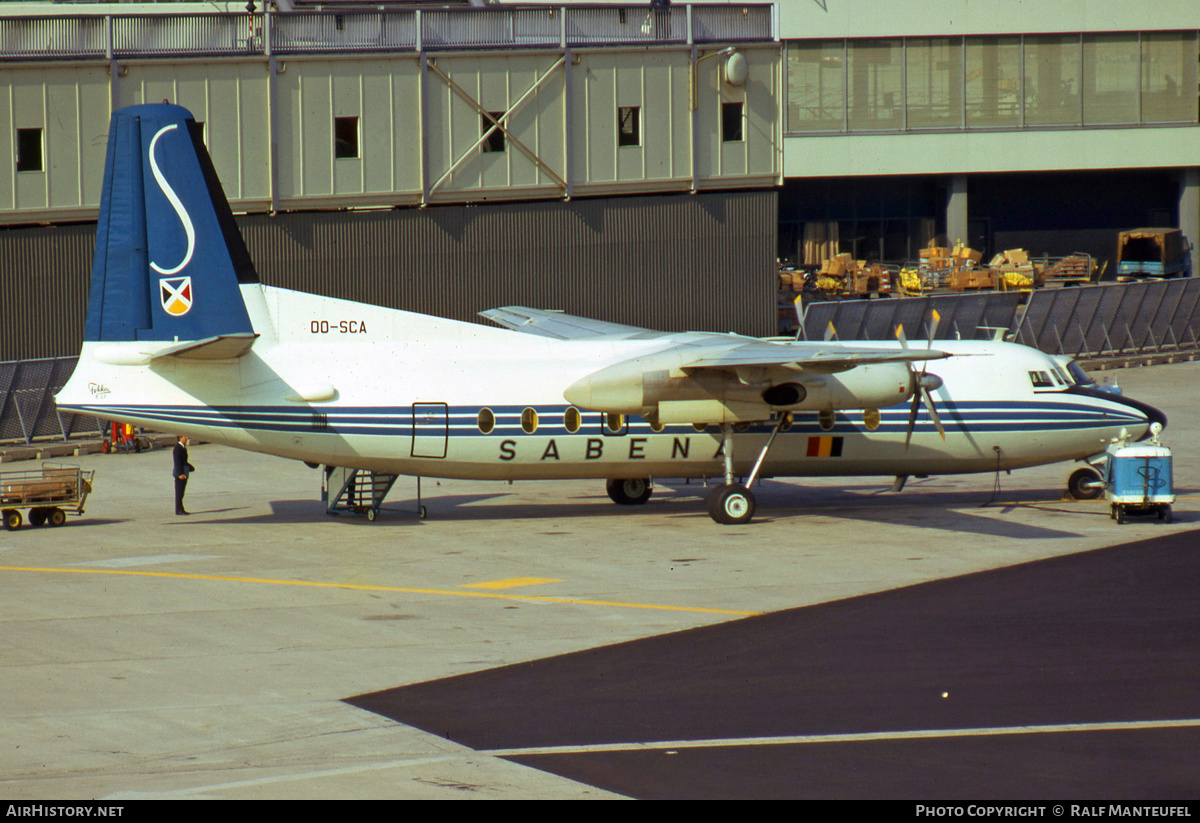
(160, 35)
(1111, 319)
(27, 410)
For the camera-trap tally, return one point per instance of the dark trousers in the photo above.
(180, 488)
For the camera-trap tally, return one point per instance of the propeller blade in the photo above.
(830, 332)
(934, 320)
(900, 336)
(912, 416)
(937, 421)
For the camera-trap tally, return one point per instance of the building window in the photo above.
(495, 138)
(993, 82)
(29, 150)
(629, 129)
(1052, 87)
(345, 138)
(731, 122)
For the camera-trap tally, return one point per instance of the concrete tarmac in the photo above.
(144, 655)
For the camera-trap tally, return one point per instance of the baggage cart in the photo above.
(48, 493)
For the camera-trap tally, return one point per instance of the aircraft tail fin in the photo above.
(169, 257)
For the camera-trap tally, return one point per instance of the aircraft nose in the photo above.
(1153, 414)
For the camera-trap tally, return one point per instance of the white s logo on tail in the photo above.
(176, 204)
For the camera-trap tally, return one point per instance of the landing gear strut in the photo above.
(732, 503)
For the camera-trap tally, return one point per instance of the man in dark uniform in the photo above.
(181, 471)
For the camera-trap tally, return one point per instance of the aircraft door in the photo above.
(431, 427)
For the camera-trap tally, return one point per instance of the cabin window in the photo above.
(787, 422)
(529, 421)
(614, 422)
(871, 419)
(825, 418)
(655, 424)
(486, 421)
(571, 419)
(700, 427)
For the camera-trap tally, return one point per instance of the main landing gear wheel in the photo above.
(631, 492)
(731, 504)
(1084, 484)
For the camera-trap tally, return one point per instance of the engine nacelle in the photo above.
(631, 388)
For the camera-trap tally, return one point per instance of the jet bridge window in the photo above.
(345, 138)
(731, 123)
(495, 138)
(29, 150)
(629, 132)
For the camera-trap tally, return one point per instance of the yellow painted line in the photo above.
(510, 583)
(357, 587)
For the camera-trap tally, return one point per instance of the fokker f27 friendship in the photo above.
(181, 336)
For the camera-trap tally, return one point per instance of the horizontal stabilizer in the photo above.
(224, 347)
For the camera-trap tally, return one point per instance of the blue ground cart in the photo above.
(1137, 480)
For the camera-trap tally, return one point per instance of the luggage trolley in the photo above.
(48, 493)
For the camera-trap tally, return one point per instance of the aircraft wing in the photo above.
(560, 326)
(805, 356)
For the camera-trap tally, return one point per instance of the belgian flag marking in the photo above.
(824, 447)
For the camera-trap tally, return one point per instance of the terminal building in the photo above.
(644, 163)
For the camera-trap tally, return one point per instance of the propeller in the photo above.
(923, 384)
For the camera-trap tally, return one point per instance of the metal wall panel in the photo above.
(672, 262)
(675, 262)
(44, 274)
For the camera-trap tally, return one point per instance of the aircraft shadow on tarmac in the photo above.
(951, 510)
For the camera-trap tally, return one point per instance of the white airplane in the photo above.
(181, 336)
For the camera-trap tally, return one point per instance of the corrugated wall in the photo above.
(673, 262)
(44, 273)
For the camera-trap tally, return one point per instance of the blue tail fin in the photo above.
(169, 256)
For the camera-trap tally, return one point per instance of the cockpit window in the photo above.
(1082, 378)
(1041, 380)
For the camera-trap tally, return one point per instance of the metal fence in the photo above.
(27, 410)
(963, 317)
(116, 36)
(1117, 319)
